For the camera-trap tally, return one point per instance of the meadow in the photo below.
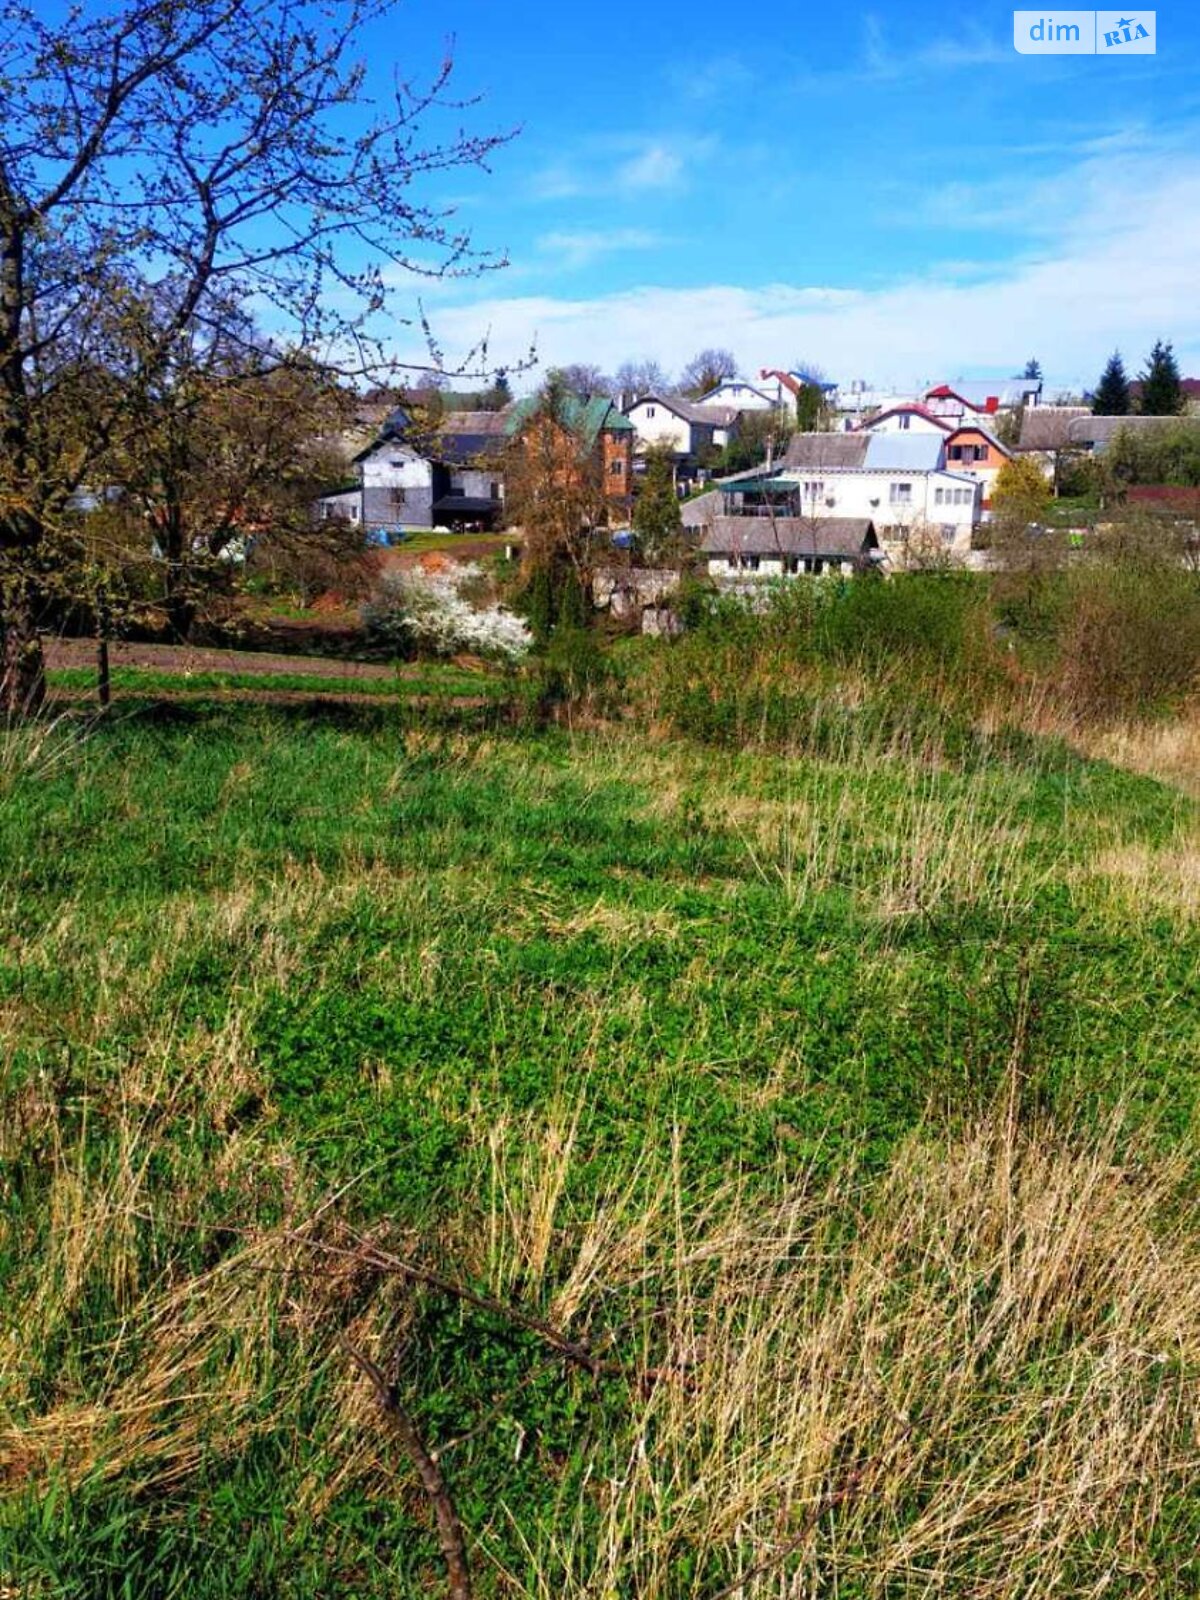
(741, 1170)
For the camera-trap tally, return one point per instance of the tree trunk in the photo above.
(103, 679)
(22, 663)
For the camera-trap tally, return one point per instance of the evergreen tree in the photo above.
(812, 415)
(1162, 391)
(656, 518)
(1033, 370)
(1111, 398)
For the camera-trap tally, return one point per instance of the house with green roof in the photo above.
(603, 435)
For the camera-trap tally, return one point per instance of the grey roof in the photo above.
(826, 450)
(1101, 431)
(904, 452)
(1048, 427)
(978, 391)
(690, 410)
(843, 537)
(698, 513)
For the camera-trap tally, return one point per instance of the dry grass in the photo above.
(1169, 751)
(978, 1375)
(979, 1379)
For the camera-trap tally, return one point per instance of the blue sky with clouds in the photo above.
(892, 192)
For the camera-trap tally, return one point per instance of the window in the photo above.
(939, 497)
(814, 490)
(904, 420)
(900, 494)
(650, 411)
(617, 469)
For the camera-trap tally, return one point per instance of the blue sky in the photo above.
(893, 193)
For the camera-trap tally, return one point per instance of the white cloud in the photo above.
(583, 246)
(621, 166)
(1120, 272)
(658, 166)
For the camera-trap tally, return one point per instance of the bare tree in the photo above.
(634, 379)
(706, 370)
(215, 153)
(584, 379)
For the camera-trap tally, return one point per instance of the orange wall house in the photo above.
(617, 456)
(978, 453)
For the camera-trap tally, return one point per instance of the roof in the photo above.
(1086, 429)
(986, 433)
(1047, 427)
(843, 537)
(977, 392)
(689, 410)
(913, 408)
(456, 436)
(469, 503)
(700, 511)
(589, 416)
(734, 383)
(797, 380)
(904, 452)
(826, 450)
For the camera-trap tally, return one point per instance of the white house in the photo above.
(687, 427)
(779, 546)
(900, 483)
(443, 474)
(970, 399)
(908, 417)
(743, 396)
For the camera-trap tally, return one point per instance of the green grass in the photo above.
(427, 679)
(541, 1009)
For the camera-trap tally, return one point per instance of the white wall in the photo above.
(770, 567)
(394, 466)
(745, 396)
(869, 494)
(656, 425)
(906, 422)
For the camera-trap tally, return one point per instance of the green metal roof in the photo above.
(588, 418)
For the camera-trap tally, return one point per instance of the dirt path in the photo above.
(184, 659)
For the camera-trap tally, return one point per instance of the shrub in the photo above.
(1131, 638)
(417, 611)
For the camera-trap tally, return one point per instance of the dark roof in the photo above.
(455, 437)
(843, 537)
(826, 450)
(469, 503)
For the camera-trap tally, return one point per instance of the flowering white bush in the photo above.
(427, 611)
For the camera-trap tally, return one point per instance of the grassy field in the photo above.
(751, 1174)
(431, 679)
